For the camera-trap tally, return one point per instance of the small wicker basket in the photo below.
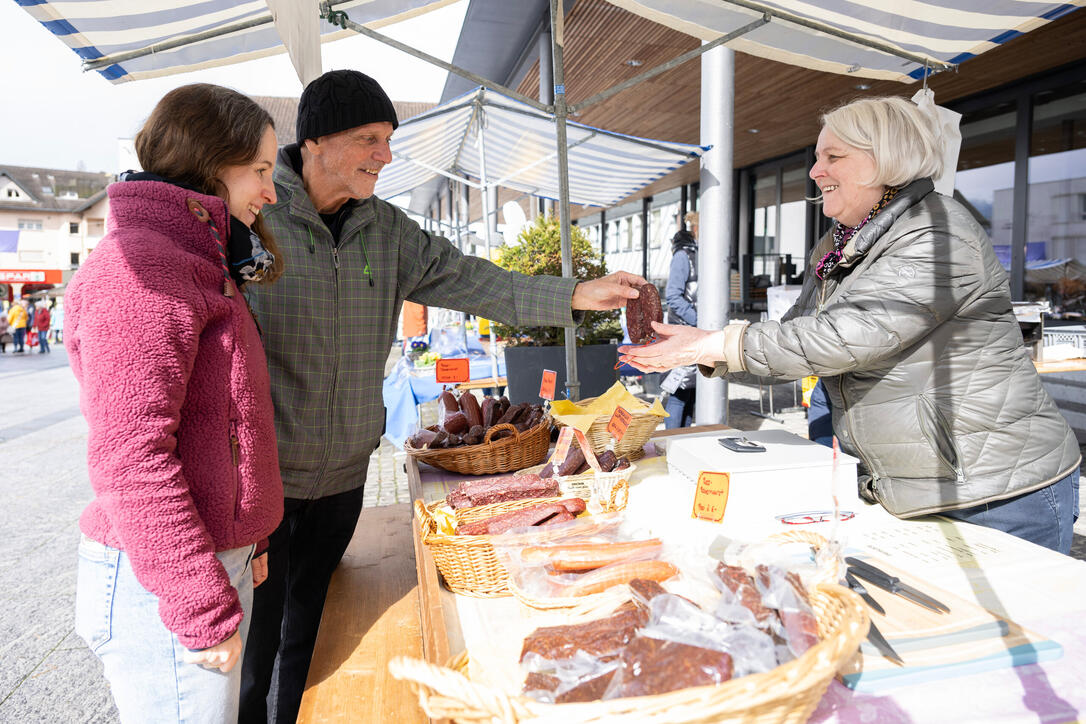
(787, 694)
(617, 482)
(632, 444)
(468, 563)
(521, 450)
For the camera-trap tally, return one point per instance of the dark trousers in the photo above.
(302, 554)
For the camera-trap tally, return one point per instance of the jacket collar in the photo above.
(292, 194)
(163, 205)
(872, 231)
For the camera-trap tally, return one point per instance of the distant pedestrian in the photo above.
(681, 294)
(18, 319)
(5, 333)
(58, 322)
(42, 321)
(181, 443)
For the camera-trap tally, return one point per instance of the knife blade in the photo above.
(879, 641)
(893, 584)
(859, 589)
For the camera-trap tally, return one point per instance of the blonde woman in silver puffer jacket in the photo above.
(906, 315)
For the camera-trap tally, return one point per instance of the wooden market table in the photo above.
(368, 620)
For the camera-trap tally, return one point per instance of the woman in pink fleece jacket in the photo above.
(181, 447)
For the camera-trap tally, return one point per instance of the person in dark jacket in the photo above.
(907, 318)
(681, 294)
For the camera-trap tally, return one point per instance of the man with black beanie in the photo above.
(329, 323)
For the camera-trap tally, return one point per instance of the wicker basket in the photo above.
(522, 450)
(632, 444)
(788, 693)
(616, 481)
(468, 563)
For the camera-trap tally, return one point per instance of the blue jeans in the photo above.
(1045, 517)
(20, 339)
(820, 417)
(118, 618)
(43, 342)
(680, 406)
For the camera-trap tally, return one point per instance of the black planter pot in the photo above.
(524, 370)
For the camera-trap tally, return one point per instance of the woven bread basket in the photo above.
(521, 450)
(468, 563)
(631, 446)
(787, 694)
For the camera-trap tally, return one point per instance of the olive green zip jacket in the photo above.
(923, 361)
(329, 323)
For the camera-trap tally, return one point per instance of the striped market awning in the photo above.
(189, 35)
(519, 145)
(902, 36)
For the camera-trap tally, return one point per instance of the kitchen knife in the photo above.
(879, 642)
(893, 584)
(859, 589)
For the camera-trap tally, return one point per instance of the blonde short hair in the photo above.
(691, 218)
(895, 133)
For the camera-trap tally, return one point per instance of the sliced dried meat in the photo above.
(656, 666)
(739, 582)
(602, 637)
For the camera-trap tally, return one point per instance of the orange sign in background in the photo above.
(618, 423)
(456, 369)
(546, 387)
(711, 496)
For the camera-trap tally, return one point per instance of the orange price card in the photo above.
(546, 387)
(561, 448)
(586, 448)
(452, 370)
(618, 423)
(711, 496)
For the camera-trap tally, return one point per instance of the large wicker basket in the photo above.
(521, 450)
(468, 563)
(788, 693)
(632, 444)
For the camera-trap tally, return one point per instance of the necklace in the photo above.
(842, 234)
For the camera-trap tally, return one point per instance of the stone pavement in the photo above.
(48, 674)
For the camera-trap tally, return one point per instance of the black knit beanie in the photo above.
(340, 100)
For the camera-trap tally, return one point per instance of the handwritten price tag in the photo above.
(618, 423)
(561, 448)
(546, 388)
(589, 456)
(711, 497)
(452, 370)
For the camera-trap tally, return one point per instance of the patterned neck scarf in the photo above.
(842, 234)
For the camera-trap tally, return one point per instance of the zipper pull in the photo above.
(235, 448)
(335, 256)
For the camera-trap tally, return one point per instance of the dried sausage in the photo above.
(641, 312)
(603, 578)
(470, 407)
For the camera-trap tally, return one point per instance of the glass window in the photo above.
(635, 233)
(1056, 232)
(984, 182)
(30, 224)
(794, 210)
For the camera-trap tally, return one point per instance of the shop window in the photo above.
(984, 182)
(1056, 268)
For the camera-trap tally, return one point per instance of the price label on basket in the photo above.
(618, 423)
(561, 448)
(456, 369)
(546, 387)
(711, 496)
(586, 448)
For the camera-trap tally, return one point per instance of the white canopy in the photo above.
(815, 34)
(193, 34)
(520, 148)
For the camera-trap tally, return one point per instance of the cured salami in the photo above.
(641, 312)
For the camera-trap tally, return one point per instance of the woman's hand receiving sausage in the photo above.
(678, 346)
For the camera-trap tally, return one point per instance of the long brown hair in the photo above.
(195, 132)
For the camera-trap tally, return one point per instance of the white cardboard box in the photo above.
(793, 475)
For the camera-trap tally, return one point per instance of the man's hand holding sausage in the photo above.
(609, 292)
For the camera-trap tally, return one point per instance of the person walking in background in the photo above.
(354, 258)
(181, 443)
(908, 320)
(57, 313)
(42, 321)
(5, 333)
(18, 319)
(681, 294)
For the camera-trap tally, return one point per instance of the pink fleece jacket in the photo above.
(175, 389)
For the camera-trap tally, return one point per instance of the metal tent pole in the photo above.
(480, 118)
(715, 219)
(573, 384)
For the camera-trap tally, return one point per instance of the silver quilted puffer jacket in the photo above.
(923, 361)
